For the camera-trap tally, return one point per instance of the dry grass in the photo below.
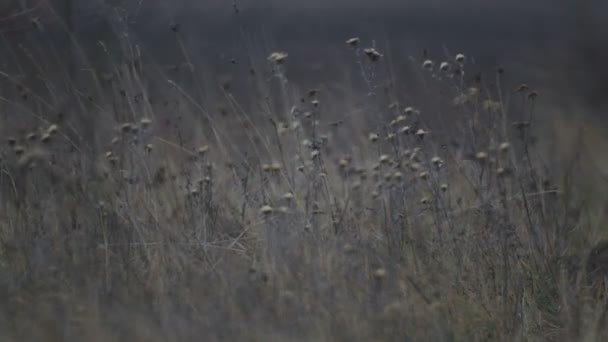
(135, 208)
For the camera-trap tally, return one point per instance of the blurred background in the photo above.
(558, 46)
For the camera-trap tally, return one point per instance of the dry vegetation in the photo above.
(134, 210)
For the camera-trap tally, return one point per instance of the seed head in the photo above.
(266, 210)
(314, 154)
(424, 200)
(421, 133)
(523, 88)
(385, 159)
(276, 166)
(409, 110)
(288, 196)
(32, 136)
(503, 147)
(202, 150)
(398, 176)
(353, 42)
(343, 163)
(373, 137)
(52, 130)
(45, 138)
(391, 136)
(533, 95)
(380, 273)
(149, 148)
(428, 64)
(460, 58)
(444, 187)
(126, 128)
(404, 130)
(481, 156)
(438, 162)
(398, 120)
(423, 175)
(372, 54)
(444, 66)
(19, 150)
(145, 123)
(278, 57)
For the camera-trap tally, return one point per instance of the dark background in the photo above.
(560, 46)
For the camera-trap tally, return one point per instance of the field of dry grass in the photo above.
(134, 207)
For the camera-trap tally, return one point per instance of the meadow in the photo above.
(139, 205)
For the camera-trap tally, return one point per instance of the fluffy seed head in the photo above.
(444, 187)
(444, 66)
(428, 64)
(373, 137)
(503, 147)
(460, 58)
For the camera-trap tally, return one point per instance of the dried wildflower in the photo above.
(126, 128)
(380, 273)
(398, 176)
(481, 156)
(460, 58)
(276, 166)
(520, 125)
(428, 64)
(444, 187)
(45, 138)
(398, 120)
(353, 42)
(372, 54)
(502, 172)
(384, 159)
(533, 95)
(438, 162)
(19, 150)
(444, 66)
(288, 196)
(421, 133)
(523, 88)
(266, 210)
(278, 57)
(202, 150)
(145, 123)
(491, 105)
(315, 103)
(409, 110)
(404, 130)
(423, 175)
(503, 147)
(373, 137)
(424, 200)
